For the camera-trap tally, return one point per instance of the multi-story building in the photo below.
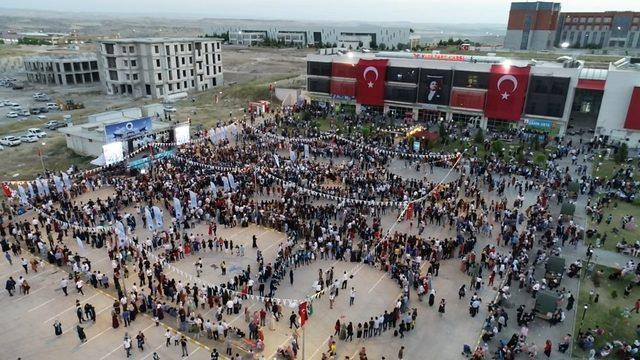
(487, 91)
(606, 30)
(80, 69)
(540, 25)
(299, 34)
(159, 67)
(532, 25)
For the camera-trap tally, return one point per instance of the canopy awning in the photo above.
(587, 84)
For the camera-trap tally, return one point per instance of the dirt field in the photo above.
(247, 75)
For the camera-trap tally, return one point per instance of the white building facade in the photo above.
(159, 67)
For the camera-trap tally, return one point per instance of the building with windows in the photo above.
(486, 91)
(159, 67)
(612, 30)
(532, 25)
(540, 25)
(304, 34)
(77, 69)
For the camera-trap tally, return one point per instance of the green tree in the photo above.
(479, 137)
(382, 47)
(622, 154)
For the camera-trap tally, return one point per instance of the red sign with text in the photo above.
(507, 92)
(370, 79)
(467, 99)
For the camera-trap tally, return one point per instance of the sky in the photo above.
(419, 11)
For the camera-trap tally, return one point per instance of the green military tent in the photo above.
(546, 304)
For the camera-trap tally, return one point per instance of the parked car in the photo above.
(28, 138)
(53, 106)
(34, 111)
(38, 94)
(170, 109)
(43, 98)
(15, 106)
(43, 109)
(24, 113)
(12, 114)
(54, 124)
(42, 117)
(10, 141)
(37, 132)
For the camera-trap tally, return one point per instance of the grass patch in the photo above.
(22, 125)
(607, 168)
(617, 209)
(607, 313)
(24, 160)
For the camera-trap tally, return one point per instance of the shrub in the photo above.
(614, 294)
(622, 154)
(479, 137)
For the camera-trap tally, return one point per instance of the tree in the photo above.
(373, 45)
(479, 137)
(622, 154)
(444, 134)
(382, 47)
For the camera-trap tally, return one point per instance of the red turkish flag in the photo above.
(6, 189)
(302, 311)
(371, 76)
(507, 92)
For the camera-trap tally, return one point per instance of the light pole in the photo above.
(41, 153)
(584, 313)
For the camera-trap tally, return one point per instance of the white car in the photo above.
(38, 94)
(24, 113)
(12, 114)
(15, 106)
(10, 141)
(28, 138)
(37, 132)
(170, 109)
(42, 117)
(52, 106)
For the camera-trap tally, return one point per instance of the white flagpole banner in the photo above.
(193, 199)
(147, 214)
(177, 207)
(157, 213)
(23, 195)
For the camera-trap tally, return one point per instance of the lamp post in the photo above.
(584, 313)
(41, 154)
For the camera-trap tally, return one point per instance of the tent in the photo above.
(556, 265)
(546, 304)
(568, 209)
(574, 189)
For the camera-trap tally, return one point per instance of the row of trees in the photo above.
(224, 36)
(33, 41)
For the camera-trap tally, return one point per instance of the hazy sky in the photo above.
(424, 11)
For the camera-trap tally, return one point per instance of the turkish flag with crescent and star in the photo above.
(302, 311)
(507, 92)
(371, 77)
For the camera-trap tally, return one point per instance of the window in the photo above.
(133, 63)
(206, 47)
(184, 73)
(108, 48)
(170, 87)
(178, 86)
(583, 20)
(193, 83)
(219, 69)
(132, 49)
(183, 62)
(148, 89)
(124, 49)
(598, 19)
(590, 20)
(218, 57)
(185, 84)
(157, 62)
(67, 66)
(190, 60)
(191, 71)
(607, 20)
(156, 49)
(135, 76)
(126, 62)
(189, 46)
(167, 49)
(126, 76)
(181, 47)
(218, 45)
(159, 76)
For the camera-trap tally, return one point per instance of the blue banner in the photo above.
(127, 129)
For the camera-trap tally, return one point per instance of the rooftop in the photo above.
(76, 56)
(153, 40)
(95, 130)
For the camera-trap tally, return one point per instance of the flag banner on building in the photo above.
(371, 78)
(343, 70)
(507, 92)
(632, 121)
(302, 311)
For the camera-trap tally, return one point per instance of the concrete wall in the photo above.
(615, 104)
(513, 39)
(83, 146)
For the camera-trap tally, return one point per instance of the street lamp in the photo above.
(584, 313)
(41, 153)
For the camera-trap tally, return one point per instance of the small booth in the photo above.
(546, 304)
(567, 210)
(554, 270)
(421, 138)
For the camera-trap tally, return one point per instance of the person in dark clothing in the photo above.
(81, 334)
(10, 286)
(292, 320)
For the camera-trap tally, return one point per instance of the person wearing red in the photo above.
(547, 348)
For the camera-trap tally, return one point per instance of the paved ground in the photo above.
(30, 317)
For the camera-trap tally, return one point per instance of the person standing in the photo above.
(63, 285)
(547, 348)
(57, 328)
(140, 340)
(292, 320)
(167, 336)
(81, 334)
(10, 285)
(214, 354)
(291, 276)
(441, 308)
(25, 265)
(352, 296)
(79, 285)
(183, 344)
(127, 344)
(401, 353)
(8, 257)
